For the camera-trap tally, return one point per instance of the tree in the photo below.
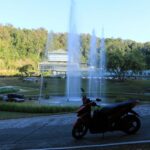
(20, 47)
(135, 61)
(85, 46)
(122, 59)
(26, 70)
(116, 64)
(146, 52)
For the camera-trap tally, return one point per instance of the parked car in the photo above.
(14, 98)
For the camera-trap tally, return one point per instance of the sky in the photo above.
(126, 19)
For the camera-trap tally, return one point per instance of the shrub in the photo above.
(23, 107)
(8, 90)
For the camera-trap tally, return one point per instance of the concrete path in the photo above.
(55, 131)
(36, 121)
(143, 110)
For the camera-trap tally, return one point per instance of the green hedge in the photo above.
(20, 107)
(4, 90)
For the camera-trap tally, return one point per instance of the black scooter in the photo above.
(113, 117)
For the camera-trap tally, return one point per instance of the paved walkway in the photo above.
(45, 131)
(51, 120)
(143, 110)
(34, 121)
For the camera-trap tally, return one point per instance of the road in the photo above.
(55, 131)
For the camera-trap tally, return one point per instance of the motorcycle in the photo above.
(112, 117)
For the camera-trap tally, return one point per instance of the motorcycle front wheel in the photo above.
(131, 124)
(79, 130)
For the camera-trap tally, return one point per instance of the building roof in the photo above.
(59, 51)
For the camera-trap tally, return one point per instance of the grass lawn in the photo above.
(15, 115)
(10, 110)
(129, 89)
(115, 91)
(56, 86)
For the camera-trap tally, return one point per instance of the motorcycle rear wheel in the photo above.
(131, 124)
(79, 130)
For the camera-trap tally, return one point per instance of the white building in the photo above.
(56, 62)
(58, 56)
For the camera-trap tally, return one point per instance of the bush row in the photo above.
(20, 107)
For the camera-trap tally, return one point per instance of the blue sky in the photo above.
(127, 19)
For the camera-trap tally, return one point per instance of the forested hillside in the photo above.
(21, 47)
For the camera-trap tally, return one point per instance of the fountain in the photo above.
(97, 68)
(73, 66)
(93, 68)
(45, 59)
(102, 68)
(96, 62)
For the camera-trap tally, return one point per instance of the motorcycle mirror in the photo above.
(98, 99)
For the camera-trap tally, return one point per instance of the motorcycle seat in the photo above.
(113, 107)
(107, 109)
